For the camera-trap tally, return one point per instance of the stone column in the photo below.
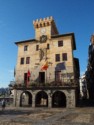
(49, 101)
(18, 94)
(33, 100)
(15, 97)
(71, 99)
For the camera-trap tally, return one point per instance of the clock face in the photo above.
(43, 38)
(43, 30)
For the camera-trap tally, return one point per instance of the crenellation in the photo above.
(43, 22)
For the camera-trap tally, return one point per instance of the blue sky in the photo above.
(16, 23)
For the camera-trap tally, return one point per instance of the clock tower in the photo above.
(45, 27)
(47, 73)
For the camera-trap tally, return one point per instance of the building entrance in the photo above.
(26, 99)
(42, 77)
(58, 99)
(41, 99)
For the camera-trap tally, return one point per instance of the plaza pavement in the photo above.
(47, 116)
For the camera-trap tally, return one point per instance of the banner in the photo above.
(45, 66)
(60, 66)
(28, 77)
(28, 74)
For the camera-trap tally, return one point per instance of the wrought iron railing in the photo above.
(52, 83)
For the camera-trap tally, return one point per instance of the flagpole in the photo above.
(46, 76)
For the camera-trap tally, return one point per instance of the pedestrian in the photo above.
(3, 104)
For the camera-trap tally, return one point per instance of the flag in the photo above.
(28, 77)
(14, 72)
(28, 74)
(60, 66)
(45, 66)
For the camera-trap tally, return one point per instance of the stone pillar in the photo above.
(49, 101)
(15, 97)
(33, 100)
(18, 98)
(71, 99)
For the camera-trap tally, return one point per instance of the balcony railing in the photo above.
(53, 83)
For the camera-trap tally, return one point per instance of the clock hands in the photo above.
(43, 38)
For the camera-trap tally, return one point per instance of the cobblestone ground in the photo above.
(46, 116)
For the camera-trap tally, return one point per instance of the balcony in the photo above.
(49, 84)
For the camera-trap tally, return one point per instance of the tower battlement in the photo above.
(43, 22)
(48, 21)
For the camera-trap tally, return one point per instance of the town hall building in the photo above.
(46, 72)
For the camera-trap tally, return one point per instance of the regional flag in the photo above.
(45, 66)
(28, 74)
(28, 78)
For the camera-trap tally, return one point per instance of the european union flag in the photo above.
(60, 66)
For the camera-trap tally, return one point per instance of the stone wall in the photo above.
(69, 94)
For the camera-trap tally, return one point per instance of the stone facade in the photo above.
(47, 61)
(70, 97)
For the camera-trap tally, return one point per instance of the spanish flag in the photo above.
(45, 66)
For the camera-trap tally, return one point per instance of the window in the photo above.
(48, 46)
(37, 47)
(57, 57)
(25, 48)
(27, 60)
(60, 43)
(22, 61)
(64, 56)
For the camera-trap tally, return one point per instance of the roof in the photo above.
(64, 35)
(53, 36)
(25, 41)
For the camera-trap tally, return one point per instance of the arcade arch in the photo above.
(26, 99)
(41, 99)
(58, 99)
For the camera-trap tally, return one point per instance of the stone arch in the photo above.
(26, 99)
(59, 99)
(41, 99)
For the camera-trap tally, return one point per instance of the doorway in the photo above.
(58, 99)
(41, 99)
(26, 99)
(42, 77)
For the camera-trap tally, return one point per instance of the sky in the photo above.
(16, 24)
